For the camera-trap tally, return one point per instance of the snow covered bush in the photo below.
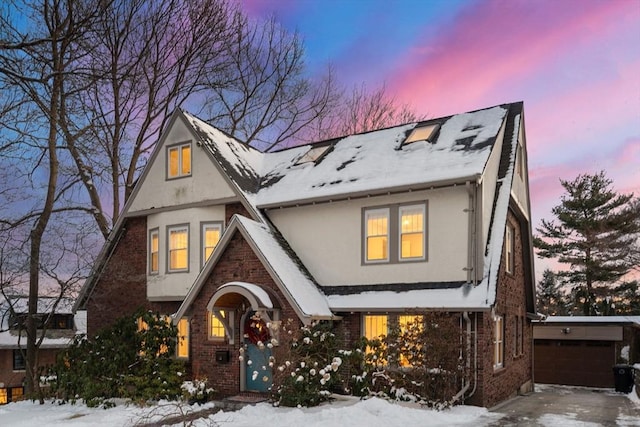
(197, 391)
(132, 359)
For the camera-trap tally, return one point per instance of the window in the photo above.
(377, 240)
(211, 233)
(178, 248)
(393, 234)
(154, 246)
(375, 326)
(179, 161)
(412, 232)
(498, 342)
(221, 325)
(313, 155)
(18, 360)
(182, 349)
(422, 133)
(518, 348)
(508, 249)
(410, 323)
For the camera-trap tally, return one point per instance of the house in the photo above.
(582, 350)
(55, 319)
(362, 229)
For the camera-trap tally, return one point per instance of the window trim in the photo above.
(394, 247)
(498, 342)
(203, 226)
(366, 212)
(170, 228)
(178, 147)
(19, 356)
(509, 249)
(153, 232)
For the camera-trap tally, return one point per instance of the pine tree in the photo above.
(596, 232)
(551, 298)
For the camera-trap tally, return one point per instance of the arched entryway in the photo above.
(250, 316)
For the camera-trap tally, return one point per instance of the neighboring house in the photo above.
(582, 350)
(362, 229)
(59, 330)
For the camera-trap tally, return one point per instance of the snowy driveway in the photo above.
(568, 407)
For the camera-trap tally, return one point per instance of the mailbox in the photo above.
(222, 356)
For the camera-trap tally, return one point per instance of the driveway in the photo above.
(552, 405)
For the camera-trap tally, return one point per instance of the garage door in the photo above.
(574, 362)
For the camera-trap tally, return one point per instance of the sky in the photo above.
(574, 63)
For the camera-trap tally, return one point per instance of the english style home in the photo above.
(364, 230)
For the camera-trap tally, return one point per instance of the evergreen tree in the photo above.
(595, 231)
(551, 298)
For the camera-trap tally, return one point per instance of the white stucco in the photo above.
(328, 239)
(174, 286)
(205, 182)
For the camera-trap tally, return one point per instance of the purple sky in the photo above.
(574, 63)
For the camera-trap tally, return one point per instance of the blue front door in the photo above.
(257, 355)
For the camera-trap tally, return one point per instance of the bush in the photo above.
(131, 359)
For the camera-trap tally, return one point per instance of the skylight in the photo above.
(313, 155)
(422, 133)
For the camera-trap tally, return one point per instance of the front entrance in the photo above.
(257, 338)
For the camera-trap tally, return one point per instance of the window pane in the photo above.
(217, 328)
(375, 326)
(154, 252)
(178, 249)
(211, 239)
(376, 248)
(412, 245)
(183, 338)
(173, 162)
(412, 232)
(186, 160)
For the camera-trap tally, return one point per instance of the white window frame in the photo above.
(212, 225)
(179, 148)
(509, 244)
(226, 316)
(173, 228)
(368, 213)
(154, 233)
(498, 342)
(423, 210)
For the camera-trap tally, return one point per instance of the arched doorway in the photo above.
(257, 354)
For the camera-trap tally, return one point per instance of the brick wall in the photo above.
(237, 263)
(515, 376)
(11, 378)
(122, 287)
(233, 209)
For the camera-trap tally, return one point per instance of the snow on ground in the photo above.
(349, 412)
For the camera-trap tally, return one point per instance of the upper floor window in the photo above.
(154, 246)
(179, 160)
(377, 238)
(394, 234)
(498, 342)
(509, 257)
(178, 248)
(211, 233)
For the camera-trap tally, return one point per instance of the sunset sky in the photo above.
(574, 63)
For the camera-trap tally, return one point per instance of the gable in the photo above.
(205, 183)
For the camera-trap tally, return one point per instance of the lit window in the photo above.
(221, 325)
(153, 251)
(178, 248)
(377, 234)
(412, 232)
(179, 161)
(4, 396)
(498, 342)
(18, 360)
(406, 323)
(210, 237)
(508, 248)
(375, 326)
(422, 133)
(183, 338)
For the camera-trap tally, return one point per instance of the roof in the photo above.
(590, 320)
(363, 163)
(286, 270)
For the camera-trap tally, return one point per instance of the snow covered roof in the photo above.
(358, 164)
(293, 279)
(590, 319)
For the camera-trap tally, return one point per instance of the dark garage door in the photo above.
(585, 363)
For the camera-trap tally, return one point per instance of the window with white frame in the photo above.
(182, 347)
(211, 233)
(395, 233)
(221, 324)
(377, 235)
(179, 161)
(498, 342)
(154, 246)
(412, 225)
(509, 257)
(178, 248)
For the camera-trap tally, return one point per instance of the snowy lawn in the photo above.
(349, 412)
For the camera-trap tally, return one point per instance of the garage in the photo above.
(582, 350)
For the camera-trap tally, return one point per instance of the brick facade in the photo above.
(121, 288)
(237, 263)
